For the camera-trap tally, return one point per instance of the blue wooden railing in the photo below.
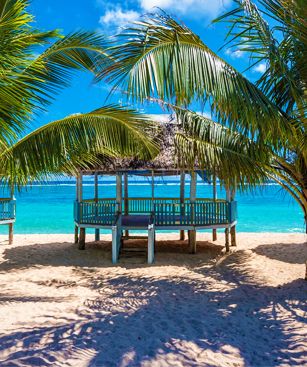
(7, 209)
(101, 212)
(167, 211)
(200, 213)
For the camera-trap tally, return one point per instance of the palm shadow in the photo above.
(293, 253)
(142, 319)
(97, 254)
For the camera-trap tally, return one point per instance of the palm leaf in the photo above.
(162, 58)
(27, 81)
(75, 142)
(231, 156)
(251, 33)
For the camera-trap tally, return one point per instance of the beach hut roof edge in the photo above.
(163, 164)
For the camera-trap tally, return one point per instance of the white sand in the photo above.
(63, 307)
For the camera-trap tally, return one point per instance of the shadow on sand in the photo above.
(98, 254)
(293, 253)
(147, 319)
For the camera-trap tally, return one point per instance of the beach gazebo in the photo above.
(122, 213)
(8, 213)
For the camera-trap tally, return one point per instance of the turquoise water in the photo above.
(49, 208)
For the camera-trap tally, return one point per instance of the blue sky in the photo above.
(106, 16)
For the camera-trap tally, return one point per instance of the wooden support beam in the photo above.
(97, 234)
(79, 188)
(192, 241)
(97, 230)
(227, 239)
(116, 242)
(119, 189)
(152, 189)
(214, 234)
(76, 234)
(11, 233)
(126, 202)
(82, 239)
(96, 194)
(182, 235)
(233, 228)
(182, 184)
(151, 244)
(214, 231)
(233, 236)
(228, 198)
(11, 225)
(192, 233)
(79, 199)
(193, 187)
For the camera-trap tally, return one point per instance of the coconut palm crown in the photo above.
(34, 67)
(260, 128)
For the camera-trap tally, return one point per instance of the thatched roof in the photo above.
(164, 162)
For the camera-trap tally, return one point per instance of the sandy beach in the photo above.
(63, 307)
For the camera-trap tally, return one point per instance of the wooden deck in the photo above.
(8, 214)
(166, 212)
(122, 213)
(152, 215)
(7, 210)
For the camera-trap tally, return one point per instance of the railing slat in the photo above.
(168, 212)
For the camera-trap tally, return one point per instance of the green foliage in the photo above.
(220, 150)
(75, 142)
(261, 127)
(283, 48)
(34, 67)
(164, 59)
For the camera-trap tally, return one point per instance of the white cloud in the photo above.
(118, 17)
(235, 54)
(206, 114)
(192, 8)
(260, 68)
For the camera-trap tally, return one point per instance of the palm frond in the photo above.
(280, 47)
(51, 71)
(28, 81)
(76, 142)
(162, 58)
(228, 154)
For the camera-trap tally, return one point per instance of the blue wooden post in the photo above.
(12, 215)
(77, 207)
(214, 231)
(126, 197)
(116, 238)
(114, 244)
(151, 244)
(82, 239)
(192, 233)
(97, 231)
(119, 195)
(233, 228)
(228, 218)
(116, 229)
(182, 201)
(227, 239)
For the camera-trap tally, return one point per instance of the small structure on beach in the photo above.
(8, 214)
(122, 214)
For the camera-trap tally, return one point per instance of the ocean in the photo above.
(48, 208)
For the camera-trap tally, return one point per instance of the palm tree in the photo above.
(260, 128)
(29, 79)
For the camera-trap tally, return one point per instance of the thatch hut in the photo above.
(122, 214)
